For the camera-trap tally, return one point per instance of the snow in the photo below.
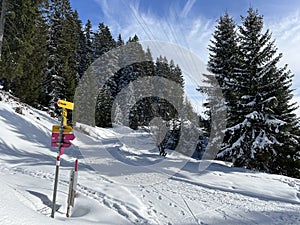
(123, 180)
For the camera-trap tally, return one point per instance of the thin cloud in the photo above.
(104, 6)
(286, 32)
(128, 19)
(187, 8)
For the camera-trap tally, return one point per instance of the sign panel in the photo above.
(66, 138)
(65, 104)
(56, 129)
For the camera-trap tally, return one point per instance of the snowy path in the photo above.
(176, 201)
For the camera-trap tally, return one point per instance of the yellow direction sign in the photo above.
(56, 129)
(65, 104)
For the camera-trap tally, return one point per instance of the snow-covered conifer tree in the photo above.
(263, 137)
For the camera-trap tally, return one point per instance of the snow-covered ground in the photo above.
(123, 180)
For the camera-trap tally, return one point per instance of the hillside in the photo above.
(123, 180)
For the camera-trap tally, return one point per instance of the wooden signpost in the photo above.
(61, 137)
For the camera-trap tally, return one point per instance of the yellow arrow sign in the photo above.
(56, 129)
(65, 104)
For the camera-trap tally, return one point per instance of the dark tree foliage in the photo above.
(85, 52)
(24, 52)
(63, 47)
(262, 131)
(102, 43)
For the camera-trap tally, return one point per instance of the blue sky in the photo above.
(190, 23)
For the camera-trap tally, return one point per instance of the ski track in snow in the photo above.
(122, 208)
(230, 206)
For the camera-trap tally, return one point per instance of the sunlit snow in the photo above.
(137, 190)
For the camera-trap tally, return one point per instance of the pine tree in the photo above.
(103, 108)
(162, 71)
(177, 89)
(81, 54)
(103, 41)
(120, 41)
(263, 133)
(132, 60)
(63, 46)
(3, 11)
(24, 51)
(87, 48)
(168, 100)
(70, 47)
(223, 62)
(54, 40)
(223, 65)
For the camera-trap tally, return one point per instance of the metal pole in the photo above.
(57, 164)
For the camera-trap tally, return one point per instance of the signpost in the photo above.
(72, 188)
(61, 137)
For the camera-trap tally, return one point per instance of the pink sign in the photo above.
(66, 138)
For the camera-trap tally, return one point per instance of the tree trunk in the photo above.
(2, 22)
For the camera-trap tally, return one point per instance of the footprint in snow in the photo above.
(163, 215)
(172, 205)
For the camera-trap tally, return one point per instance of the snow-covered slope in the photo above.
(123, 180)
